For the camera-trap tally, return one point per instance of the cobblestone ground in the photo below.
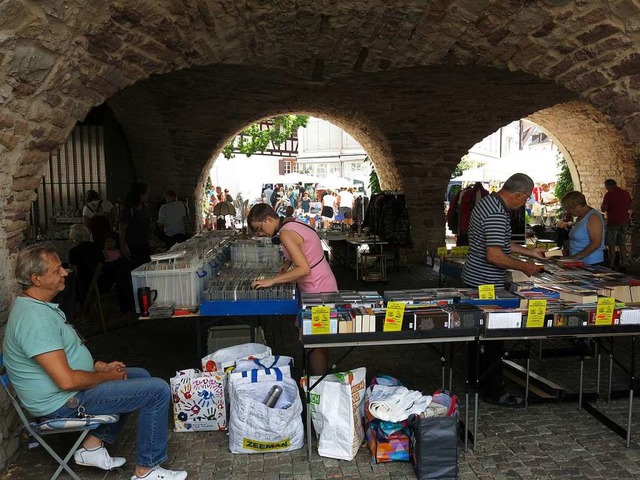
(547, 440)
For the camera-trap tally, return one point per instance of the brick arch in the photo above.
(62, 59)
(594, 149)
(59, 59)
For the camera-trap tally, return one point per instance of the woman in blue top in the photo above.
(586, 238)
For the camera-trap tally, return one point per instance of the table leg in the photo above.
(526, 384)
(610, 373)
(632, 374)
(599, 357)
(450, 367)
(305, 364)
(466, 415)
(198, 340)
(475, 406)
(580, 388)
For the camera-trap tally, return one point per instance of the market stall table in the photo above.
(249, 311)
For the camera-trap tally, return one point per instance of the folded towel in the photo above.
(394, 404)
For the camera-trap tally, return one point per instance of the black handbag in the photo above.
(434, 447)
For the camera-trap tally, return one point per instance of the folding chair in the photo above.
(38, 427)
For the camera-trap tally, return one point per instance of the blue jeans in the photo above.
(150, 396)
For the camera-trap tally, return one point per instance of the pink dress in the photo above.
(321, 278)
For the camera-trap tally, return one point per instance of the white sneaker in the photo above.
(159, 473)
(98, 457)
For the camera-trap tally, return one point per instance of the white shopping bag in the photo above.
(224, 358)
(337, 411)
(271, 361)
(198, 401)
(256, 428)
(259, 375)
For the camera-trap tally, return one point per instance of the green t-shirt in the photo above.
(34, 328)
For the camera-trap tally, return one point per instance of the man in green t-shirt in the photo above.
(55, 376)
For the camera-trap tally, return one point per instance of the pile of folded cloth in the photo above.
(396, 403)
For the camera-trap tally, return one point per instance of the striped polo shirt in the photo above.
(490, 226)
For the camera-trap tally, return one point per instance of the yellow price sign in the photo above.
(536, 312)
(459, 251)
(393, 317)
(442, 251)
(604, 310)
(320, 320)
(487, 292)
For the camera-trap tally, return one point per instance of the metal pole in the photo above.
(610, 376)
(580, 392)
(598, 376)
(540, 351)
(466, 416)
(305, 363)
(442, 370)
(475, 408)
(632, 374)
(526, 387)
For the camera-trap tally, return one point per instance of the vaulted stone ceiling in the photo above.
(416, 82)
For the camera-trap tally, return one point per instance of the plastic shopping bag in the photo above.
(256, 428)
(224, 358)
(337, 411)
(264, 363)
(198, 401)
(259, 375)
(387, 441)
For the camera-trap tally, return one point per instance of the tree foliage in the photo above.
(465, 164)
(564, 184)
(253, 140)
(374, 181)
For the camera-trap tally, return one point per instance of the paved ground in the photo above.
(547, 440)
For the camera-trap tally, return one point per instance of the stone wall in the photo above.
(417, 83)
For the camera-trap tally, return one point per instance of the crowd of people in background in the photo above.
(313, 205)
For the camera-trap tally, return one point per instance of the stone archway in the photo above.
(372, 140)
(594, 149)
(431, 78)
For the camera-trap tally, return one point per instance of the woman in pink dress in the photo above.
(302, 248)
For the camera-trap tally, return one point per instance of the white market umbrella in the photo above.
(333, 182)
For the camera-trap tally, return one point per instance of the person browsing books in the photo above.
(490, 255)
(586, 237)
(302, 249)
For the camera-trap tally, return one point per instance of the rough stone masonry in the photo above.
(416, 83)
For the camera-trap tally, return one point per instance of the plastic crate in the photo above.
(226, 336)
(181, 286)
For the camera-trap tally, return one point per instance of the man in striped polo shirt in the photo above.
(490, 249)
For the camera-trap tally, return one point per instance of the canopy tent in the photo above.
(540, 165)
(333, 182)
(294, 177)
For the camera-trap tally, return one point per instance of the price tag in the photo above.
(393, 317)
(604, 311)
(320, 320)
(535, 313)
(442, 251)
(487, 292)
